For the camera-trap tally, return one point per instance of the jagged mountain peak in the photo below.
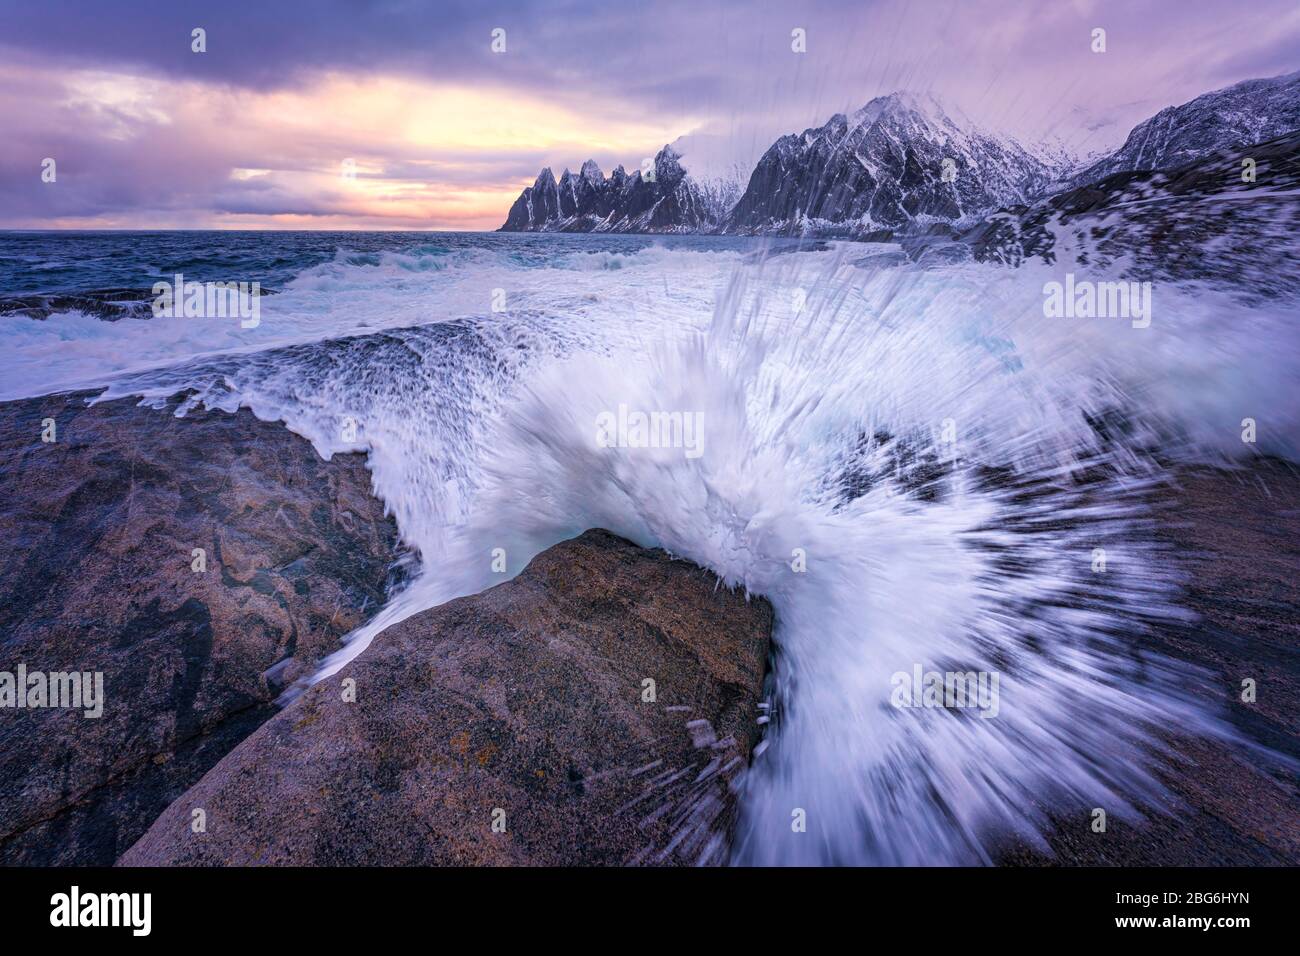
(904, 160)
(922, 113)
(898, 106)
(902, 102)
(668, 165)
(670, 201)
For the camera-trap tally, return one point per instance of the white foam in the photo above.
(892, 581)
(488, 440)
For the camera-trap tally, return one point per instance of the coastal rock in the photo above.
(111, 305)
(1227, 803)
(527, 707)
(99, 529)
(108, 304)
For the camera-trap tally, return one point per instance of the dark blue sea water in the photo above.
(78, 262)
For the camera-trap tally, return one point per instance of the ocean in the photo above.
(923, 470)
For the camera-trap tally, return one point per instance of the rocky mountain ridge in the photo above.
(1237, 116)
(664, 199)
(903, 163)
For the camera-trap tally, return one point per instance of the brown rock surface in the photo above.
(1237, 534)
(527, 698)
(96, 535)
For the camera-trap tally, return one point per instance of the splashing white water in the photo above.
(947, 460)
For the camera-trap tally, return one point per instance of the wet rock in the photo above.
(526, 706)
(111, 305)
(108, 304)
(1227, 803)
(99, 531)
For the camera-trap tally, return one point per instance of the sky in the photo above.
(397, 114)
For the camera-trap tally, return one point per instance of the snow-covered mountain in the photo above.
(589, 202)
(1235, 117)
(902, 161)
(1187, 223)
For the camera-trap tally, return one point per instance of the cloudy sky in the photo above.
(443, 132)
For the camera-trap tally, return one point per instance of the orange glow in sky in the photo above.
(341, 151)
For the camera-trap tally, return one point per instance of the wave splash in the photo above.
(947, 471)
(916, 555)
(915, 466)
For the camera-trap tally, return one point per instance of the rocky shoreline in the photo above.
(532, 695)
(596, 710)
(199, 564)
(1237, 804)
